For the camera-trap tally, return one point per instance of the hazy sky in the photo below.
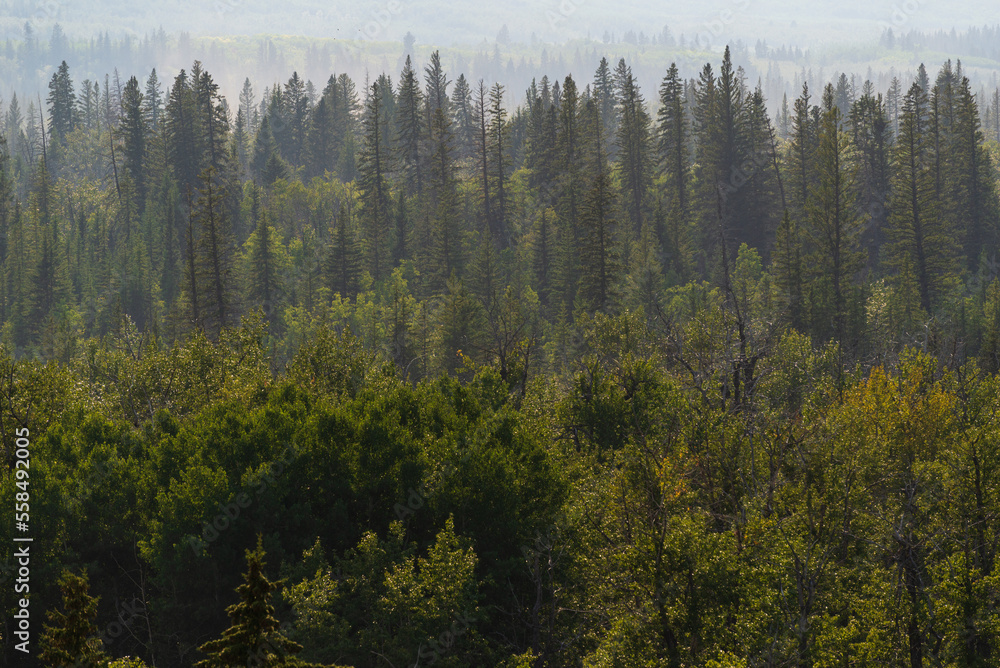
(471, 21)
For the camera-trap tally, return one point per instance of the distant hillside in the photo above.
(467, 22)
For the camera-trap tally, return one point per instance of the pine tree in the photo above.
(410, 129)
(296, 112)
(343, 261)
(254, 637)
(802, 152)
(62, 104)
(462, 110)
(375, 198)
(788, 271)
(70, 636)
(497, 148)
(922, 239)
(133, 132)
(672, 142)
(600, 257)
(633, 142)
(265, 286)
(835, 224)
(603, 91)
(870, 132)
(180, 127)
(214, 255)
(322, 149)
(152, 108)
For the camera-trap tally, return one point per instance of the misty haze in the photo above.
(526, 334)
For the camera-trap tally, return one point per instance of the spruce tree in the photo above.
(603, 91)
(672, 141)
(62, 104)
(153, 102)
(214, 255)
(788, 271)
(600, 257)
(343, 261)
(180, 126)
(265, 286)
(834, 224)
(254, 637)
(498, 166)
(633, 142)
(410, 130)
(801, 155)
(973, 190)
(872, 137)
(296, 113)
(322, 148)
(462, 110)
(69, 639)
(133, 132)
(922, 239)
(375, 198)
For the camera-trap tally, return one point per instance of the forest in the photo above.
(391, 373)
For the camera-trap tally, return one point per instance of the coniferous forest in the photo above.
(394, 372)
